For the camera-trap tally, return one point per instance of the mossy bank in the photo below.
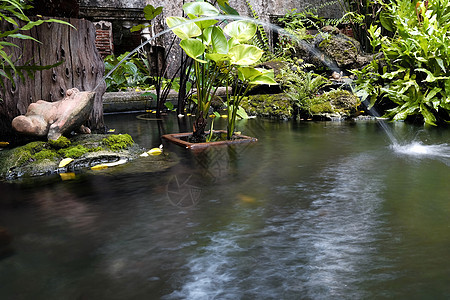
(43, 158)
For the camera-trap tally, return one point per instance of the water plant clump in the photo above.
(118, 142)
(219, 60)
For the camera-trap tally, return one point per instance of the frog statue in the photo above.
(53, 119)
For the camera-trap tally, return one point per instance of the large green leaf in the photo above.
(219, 41)
(244, 55)
(193, 48)
(427, 115)
(217, 57)
(256, 76)
(185, 31)
(241, 30)
(227, 9)
(204, 24)
(200, 9)
(150, 12)
(248, 73)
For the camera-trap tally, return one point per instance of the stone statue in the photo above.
(53, 119)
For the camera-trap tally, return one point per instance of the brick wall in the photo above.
(104, 38)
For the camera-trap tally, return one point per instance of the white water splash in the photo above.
(419, 150)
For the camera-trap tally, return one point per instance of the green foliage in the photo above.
(261, 40)
(361, 15)
(302, 88)
(415, 70)
(10, 11)
(117, 142)
(45, 154)
(150, 13)
(130, 74)
(219, 60)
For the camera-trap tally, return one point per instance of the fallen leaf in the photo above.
(65, 162)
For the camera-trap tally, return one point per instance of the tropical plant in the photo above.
(12, 11)
(414, 72)
(361, 14)
(302, 88)
(218, 60)
(131, 74)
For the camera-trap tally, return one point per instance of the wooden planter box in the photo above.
(177, 138)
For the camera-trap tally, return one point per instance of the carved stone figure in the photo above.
(53, 119)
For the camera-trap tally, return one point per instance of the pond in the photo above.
(313, 210)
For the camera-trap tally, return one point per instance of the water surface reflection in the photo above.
(311, 211)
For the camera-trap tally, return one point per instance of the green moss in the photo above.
(118, 141)
(276, 106)
(45, 154)
(74, 151)
(25, 153)
(324, 107)
(62, 142)
(336, 101)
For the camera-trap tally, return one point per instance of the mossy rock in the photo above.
(118, 142)
(342, 49)
(339, 104)
(42, 158)
(277, 106)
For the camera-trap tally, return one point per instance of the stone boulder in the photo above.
(335, 105)
(332, 49)
(276, 106)
(41, 158)
(53, 119)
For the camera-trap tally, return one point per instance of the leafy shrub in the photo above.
(130, 74)
(414, 71)
(302, 88)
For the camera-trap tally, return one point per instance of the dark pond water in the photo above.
(324, 210)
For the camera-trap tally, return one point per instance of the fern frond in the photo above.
(261, 39)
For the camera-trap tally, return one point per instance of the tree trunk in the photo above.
(82, 68)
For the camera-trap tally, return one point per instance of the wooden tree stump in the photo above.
(82, 68)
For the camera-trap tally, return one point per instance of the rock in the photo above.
(43, 158)
(276, 106)
(342, 49)
(335, 104)
(53, 119)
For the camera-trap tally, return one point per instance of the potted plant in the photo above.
(222, 57)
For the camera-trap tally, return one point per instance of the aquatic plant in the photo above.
(414, 70)
(219, 60)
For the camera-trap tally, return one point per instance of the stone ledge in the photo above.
(136, 101)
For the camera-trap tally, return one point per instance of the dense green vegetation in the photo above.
(413, 71)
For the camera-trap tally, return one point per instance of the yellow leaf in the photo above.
(224, 116)
(154, 151)
(111, 130)
(4, 144)
(99, 167)
(65, 162)
(67, 176)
